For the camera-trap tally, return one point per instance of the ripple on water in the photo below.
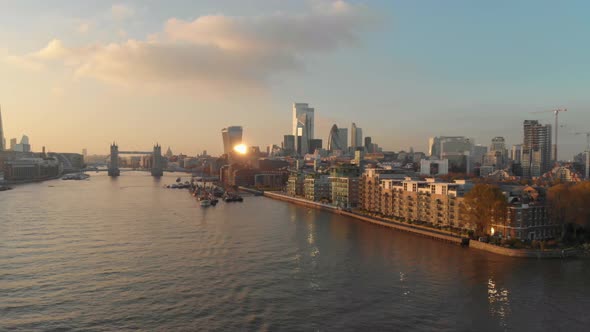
(125, 254)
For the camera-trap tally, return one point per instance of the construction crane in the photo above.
(556, 112)
(587, 139)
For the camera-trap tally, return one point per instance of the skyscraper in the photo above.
(450, 145)
(368, 144)
(289, 144)
(498, 144)
(515, 153)
(498, 154)
(457, 149)
(315, 144)
(343, 135)
(477, 153)
(536, 149)
(434, 147)
(232, 136)
(335, 142)
(356, 136)
(2, 139)
(303, 126)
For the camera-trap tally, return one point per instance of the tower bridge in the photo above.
(157, 162)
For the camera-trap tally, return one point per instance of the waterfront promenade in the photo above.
(430, 233)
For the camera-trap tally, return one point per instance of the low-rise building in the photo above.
(344, 191)
(270, 180)
(317, 188)
(344, 185)
(401, 197)
(26, 169)
(295, 184)
(527, 216)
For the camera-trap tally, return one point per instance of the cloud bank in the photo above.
(212, 50)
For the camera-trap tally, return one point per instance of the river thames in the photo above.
(125, 254)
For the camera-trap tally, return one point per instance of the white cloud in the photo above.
(122, 11)
(84, 27)
(23, 62)
(58, 91)
(214, 50)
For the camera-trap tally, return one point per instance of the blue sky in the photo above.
(414, 69)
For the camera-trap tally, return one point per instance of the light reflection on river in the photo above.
(125, 254)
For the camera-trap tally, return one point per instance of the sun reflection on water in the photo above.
(499, 301)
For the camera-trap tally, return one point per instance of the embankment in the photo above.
(433, 234)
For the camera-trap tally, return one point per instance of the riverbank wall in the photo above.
(433, 234)
(394, 225)
(523, 253)
(14, 183)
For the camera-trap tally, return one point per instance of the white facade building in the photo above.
(434, 167)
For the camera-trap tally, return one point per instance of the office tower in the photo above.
(498, 155)
(335, 141)
(315, 144)
(456, 149)
(2, 139)
(368, 144)
(498, 144)
(232, 136)
(478, 152)
(24, 143)
(343, 135)
(303, 126)
(84, 152)
(515, 153)
(289, 143)
(356, 136)
(434, 147)
(536, 149)
(454, 144)
(13, 144)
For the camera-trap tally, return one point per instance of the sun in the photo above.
(241, 148)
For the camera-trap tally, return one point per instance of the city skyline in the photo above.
(398, 69)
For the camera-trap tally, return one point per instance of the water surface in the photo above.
(126, 254)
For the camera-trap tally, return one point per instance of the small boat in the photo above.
(205, 203)
(76, 176)
(214, 201)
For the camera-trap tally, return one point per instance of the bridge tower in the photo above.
(157, 162)
(114, 165)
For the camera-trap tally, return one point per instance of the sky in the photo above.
(81, 74)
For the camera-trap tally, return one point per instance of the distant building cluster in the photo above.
(18, 163)
(352, 172)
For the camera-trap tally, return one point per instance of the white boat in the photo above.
(205, 203)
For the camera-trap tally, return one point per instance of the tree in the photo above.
(569, 206)
(485, 203)
(581, 204)
(560, 207)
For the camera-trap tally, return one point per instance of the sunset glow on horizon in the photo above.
(139, 72)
